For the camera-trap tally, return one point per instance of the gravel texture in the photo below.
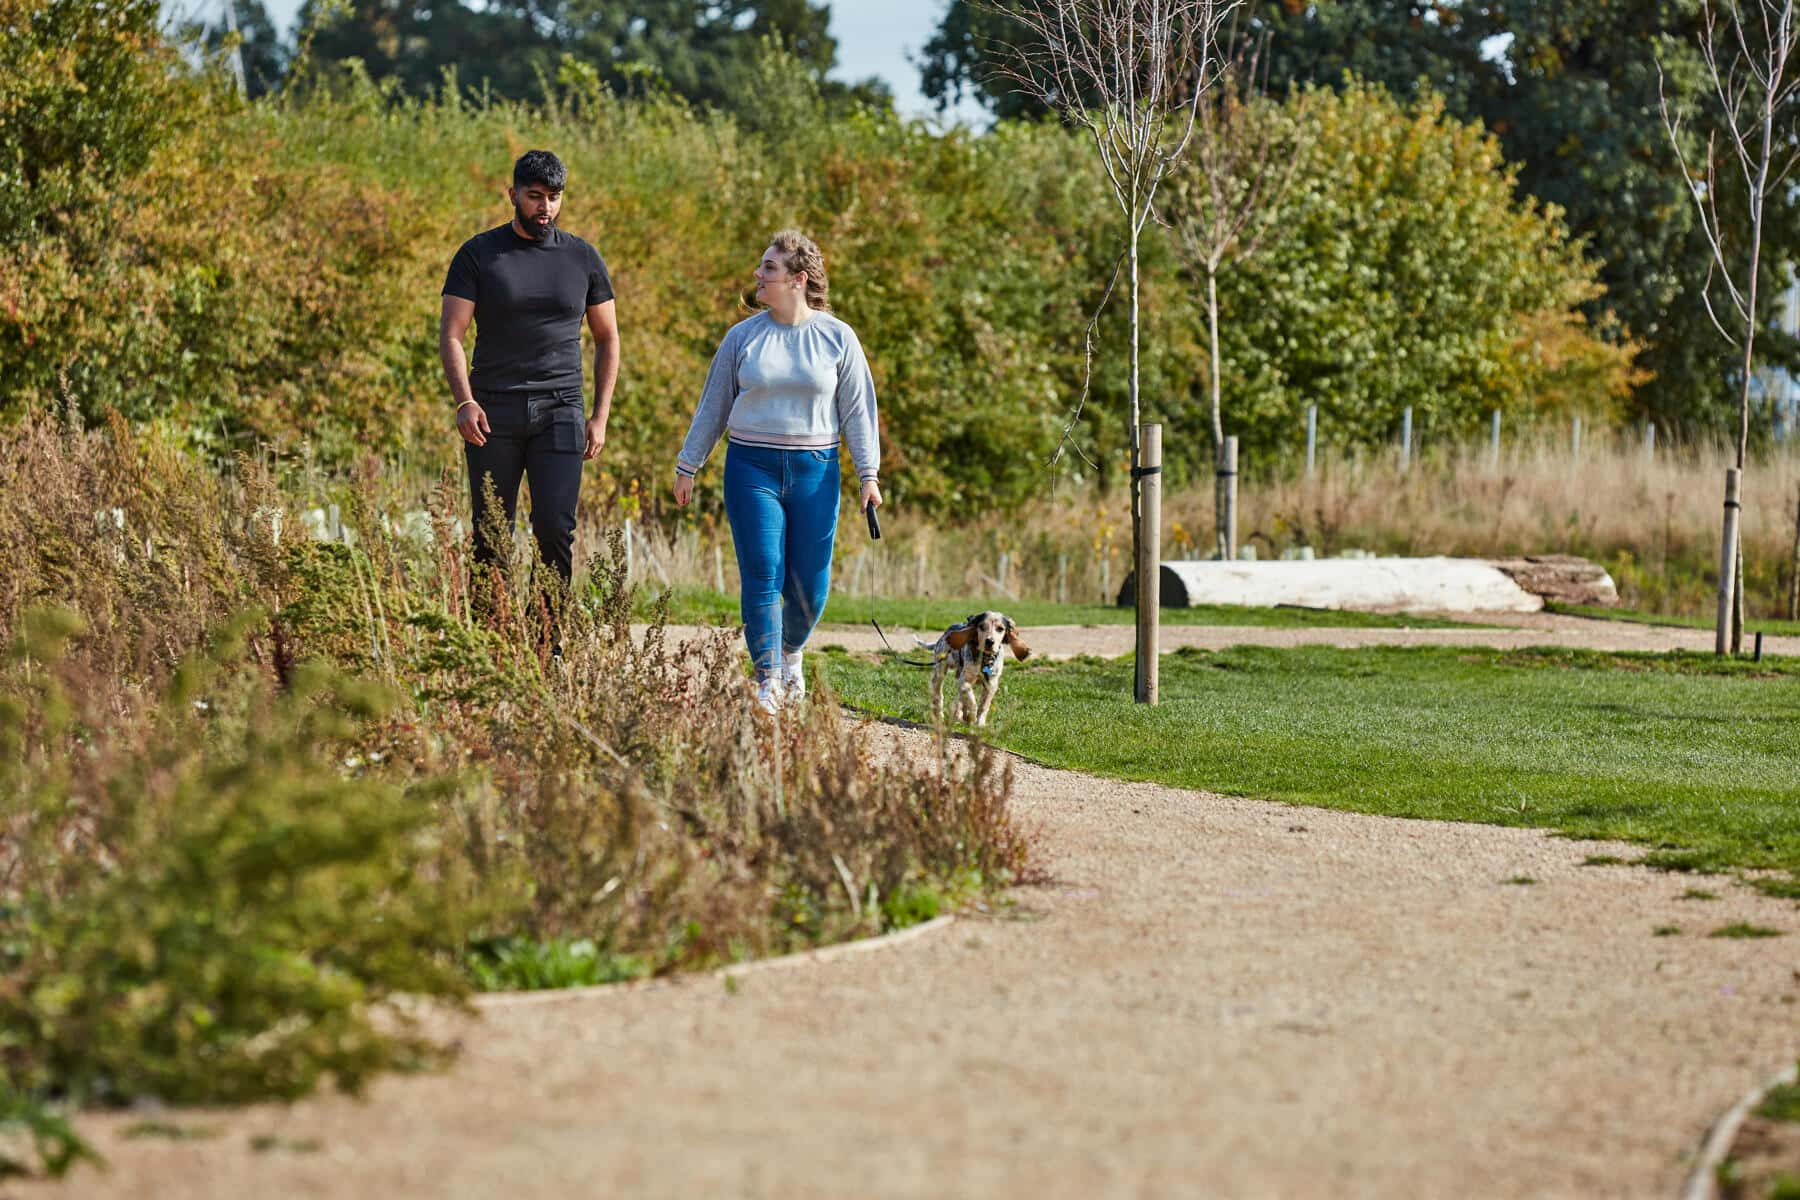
(1212, 996)
(1512, 631)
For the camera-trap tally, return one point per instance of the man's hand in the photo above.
(871, 494)
(684, 488)
(472, 423)
(596, 439)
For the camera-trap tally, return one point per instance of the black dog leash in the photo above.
(875, 536)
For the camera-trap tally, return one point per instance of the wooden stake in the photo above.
(1149, 559)
(1228, 475)
(1406, 439)
(1312, 436)
(1794, 580)
(1737, 600)
(1728, 543)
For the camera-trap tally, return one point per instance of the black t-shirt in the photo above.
(530, 295)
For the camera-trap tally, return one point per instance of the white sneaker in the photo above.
(793, 679)
(769, 694)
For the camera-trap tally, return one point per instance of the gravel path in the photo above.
(1512, 631)
(1214, 997)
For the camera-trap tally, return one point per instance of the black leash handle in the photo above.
(874, 523)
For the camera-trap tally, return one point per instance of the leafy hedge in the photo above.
(270, 272)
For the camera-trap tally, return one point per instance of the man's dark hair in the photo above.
(540, 166)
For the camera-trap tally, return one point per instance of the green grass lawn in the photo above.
(1770, 626)
(1682, 752)
(705, 606)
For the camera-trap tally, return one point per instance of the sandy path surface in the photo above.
(1215, 997)
(1512, 631)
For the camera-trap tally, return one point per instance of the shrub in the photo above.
(254, 786)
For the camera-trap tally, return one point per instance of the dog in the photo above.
(974, 650)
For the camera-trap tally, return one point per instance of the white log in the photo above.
(1370, 584)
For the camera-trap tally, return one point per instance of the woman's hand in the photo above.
(871, 494)
(684, 488)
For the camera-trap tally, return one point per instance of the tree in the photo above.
(264, 55)
(1569, 89)
(87, 94)
(1753, 67)
(705, 51)
(1131, 74)
(507, 46)
(1220, 202)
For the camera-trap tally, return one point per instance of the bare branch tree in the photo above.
(1751, 50)
(1221, 203)
(1131, 74)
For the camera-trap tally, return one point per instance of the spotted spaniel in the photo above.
(974, 650)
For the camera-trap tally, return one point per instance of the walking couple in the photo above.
(786, 385)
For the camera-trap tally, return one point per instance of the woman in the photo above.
(785, 385)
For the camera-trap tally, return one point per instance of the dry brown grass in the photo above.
(1653, 522)
(252, 784)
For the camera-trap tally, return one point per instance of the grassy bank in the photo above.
(1676, 752)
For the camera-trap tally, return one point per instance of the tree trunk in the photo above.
(1145, 594)
(1220, 536)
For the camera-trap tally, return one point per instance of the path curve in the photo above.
(1215, 997)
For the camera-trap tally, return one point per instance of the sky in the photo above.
(875, 37)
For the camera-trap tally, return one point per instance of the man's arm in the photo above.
(603, 321)
(453, 327)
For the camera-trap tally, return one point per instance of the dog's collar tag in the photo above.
(988, 670)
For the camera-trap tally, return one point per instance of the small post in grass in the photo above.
(1406, 439)
(1794, 577)
(1728, 546)
(627, 549)
(1494, 442)
(1228, 479)
(1149, 561)
(919, 586)
(1312, 436)
(1575, 437)
(1650, 441)
(1062, 578)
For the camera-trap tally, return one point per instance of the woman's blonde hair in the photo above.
(799, 254)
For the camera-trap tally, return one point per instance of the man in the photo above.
(527, 286)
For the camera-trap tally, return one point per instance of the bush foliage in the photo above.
(269, 273)
(255, 786)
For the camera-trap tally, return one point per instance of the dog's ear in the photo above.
(1020, 650)
(957, 636)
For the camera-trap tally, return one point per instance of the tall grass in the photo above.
(1652, 520)
(254, 786)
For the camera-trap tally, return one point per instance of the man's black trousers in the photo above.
(538, 436)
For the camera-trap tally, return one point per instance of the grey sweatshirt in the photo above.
(789, 387)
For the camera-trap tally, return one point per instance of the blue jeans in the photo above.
(783, 507)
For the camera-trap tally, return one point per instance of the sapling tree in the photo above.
(1221, 202)
(1751, 55)
(1131, 74)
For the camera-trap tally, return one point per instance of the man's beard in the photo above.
(531, 227)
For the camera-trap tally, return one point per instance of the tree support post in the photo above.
(1728, 555)
(1228, 499)
(1149, 560)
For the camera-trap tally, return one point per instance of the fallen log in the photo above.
(1386, 584)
